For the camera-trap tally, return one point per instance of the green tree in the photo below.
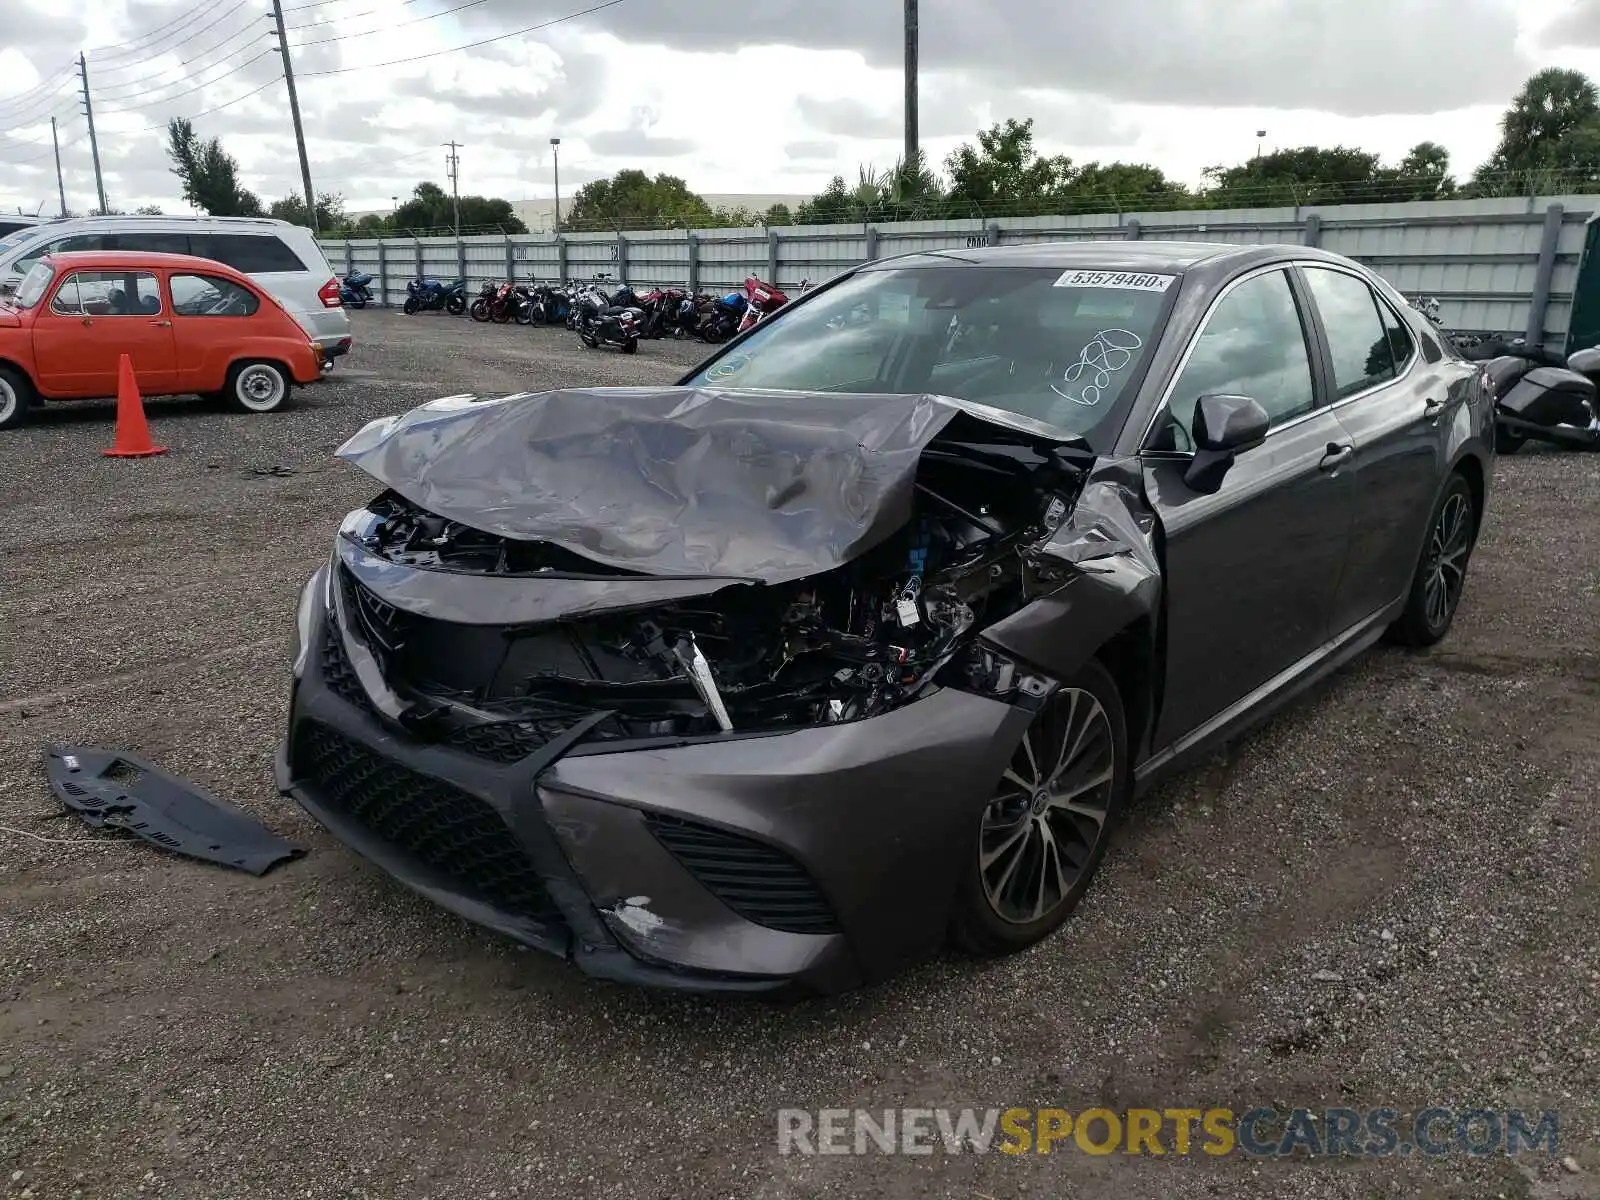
(149, 210)
(633, 200)
(1302, 175)
(1551, 127)
(1423, 174)
(209, 174)
(1120, 187)
(431, 208)
(331, 216)
(1004, 172)
(372, 225)
(778, 214)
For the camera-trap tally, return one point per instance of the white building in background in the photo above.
(539, 215)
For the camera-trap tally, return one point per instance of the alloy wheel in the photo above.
(1051, 809)
(1448, 546)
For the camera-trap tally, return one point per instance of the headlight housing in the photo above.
(986, 671)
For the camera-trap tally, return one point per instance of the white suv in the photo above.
(283, 258)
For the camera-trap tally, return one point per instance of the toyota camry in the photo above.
(857, 640)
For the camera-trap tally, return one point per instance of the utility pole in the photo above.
(452, 164)
(94, 145)
(294, 113)
(555, 158)
(912, 154)
(61, 188)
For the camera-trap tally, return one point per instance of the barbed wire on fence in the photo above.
(1288, 194)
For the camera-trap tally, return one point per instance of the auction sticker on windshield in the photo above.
(1134, 281)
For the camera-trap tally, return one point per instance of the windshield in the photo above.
(34, 285)
(1057, 346)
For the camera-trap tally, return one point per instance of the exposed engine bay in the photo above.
(846, 644)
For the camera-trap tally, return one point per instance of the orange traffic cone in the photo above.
(133, 432)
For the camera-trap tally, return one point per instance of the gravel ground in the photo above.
(1386, 896)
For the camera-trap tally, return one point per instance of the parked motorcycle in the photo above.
(761, 301)
(661, 307)
(433, 295)
(548, 305)
(356, 290)
(600, 322)
(1539, 395)
(483, 301)
(720, 317)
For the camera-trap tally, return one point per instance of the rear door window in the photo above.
(211, 296)
(150, 243)
(252, 253)
(1357, 341)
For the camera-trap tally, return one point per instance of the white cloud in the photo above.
(771, 97)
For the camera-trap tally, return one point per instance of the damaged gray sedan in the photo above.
(856, 641)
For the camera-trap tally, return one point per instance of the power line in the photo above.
(371, 12)
(469, 46)
(40, 108)
(199, 87)
(444, 12)
(127, 91)
(205, 112)
(145, 47)
(23, 100)
(250, 32)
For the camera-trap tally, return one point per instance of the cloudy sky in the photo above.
(762, 96)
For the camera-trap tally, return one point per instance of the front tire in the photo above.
(479, 311)
(411, 306)
(1442, 569)
(455, 306)
(257, 387)
(16, 397)
(356, 302)
(1039, 838)
(631, 346)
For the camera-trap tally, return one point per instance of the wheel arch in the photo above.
(1111, 616)
(1470, 467)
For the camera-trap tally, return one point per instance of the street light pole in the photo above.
(555, 158)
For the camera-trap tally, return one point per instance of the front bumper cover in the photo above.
(824, 857)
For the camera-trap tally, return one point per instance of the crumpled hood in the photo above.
(675, 481)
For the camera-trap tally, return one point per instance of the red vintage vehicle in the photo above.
(189, 326)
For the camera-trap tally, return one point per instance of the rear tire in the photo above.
(257, 387)
(631, 346)
(1037, 841)
(16, 397)
(455, 306)
(356, 302)
(1441, 574)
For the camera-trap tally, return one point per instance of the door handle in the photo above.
(1337, 452)
(1432, 408)
(88, 320)
(162, 324)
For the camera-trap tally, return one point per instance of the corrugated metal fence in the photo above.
(1495, 265)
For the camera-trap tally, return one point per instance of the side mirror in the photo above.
(1223, 427)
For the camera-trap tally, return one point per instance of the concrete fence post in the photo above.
(622, 258)
(561, 259)
(1543, 274)
(1312, 234)
(872, 242)
(994, 233)
(349, 259)
(511, 263)
(772, 257)
(1130, 229)
(416, 245)
(461, 259)
(383, 276)
(693, 239)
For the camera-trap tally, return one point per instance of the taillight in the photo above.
(328, 293)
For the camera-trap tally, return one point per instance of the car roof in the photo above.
(1220, 259)
(80, 260)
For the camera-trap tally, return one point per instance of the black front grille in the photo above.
(760, 883)
(442, 827)
(337, 672)
(386, 626)
(506, 741)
